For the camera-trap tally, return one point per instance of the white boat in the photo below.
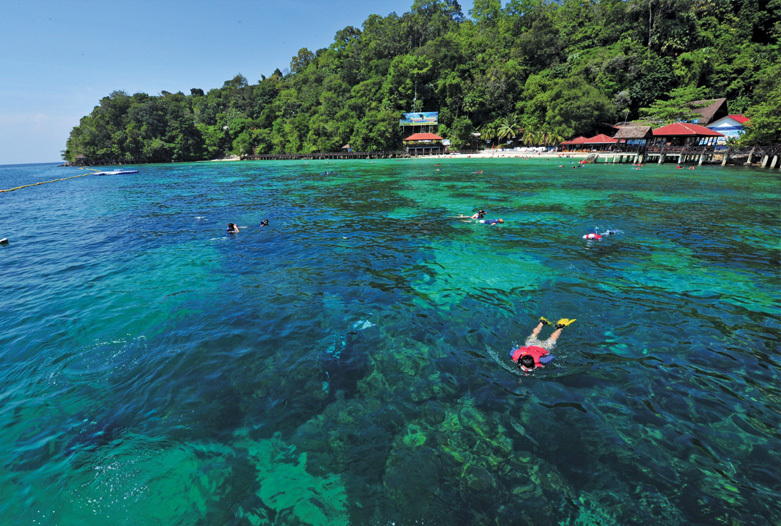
(116, 172)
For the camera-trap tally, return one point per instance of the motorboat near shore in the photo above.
(116, 172)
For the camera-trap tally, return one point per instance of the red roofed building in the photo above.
(424, 144)
(685, 129)
(684, 141)
(600, 142)
(573, 144)
(740, 118)
(423, 137)
(600, 139)
(732, 126)
(685, 134)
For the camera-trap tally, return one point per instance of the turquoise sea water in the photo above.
(348, 364)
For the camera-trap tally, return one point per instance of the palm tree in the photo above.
(488, 132)
(556, 137)
(508, 127)
(531, 137)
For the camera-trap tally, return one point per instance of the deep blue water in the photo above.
(348, 364)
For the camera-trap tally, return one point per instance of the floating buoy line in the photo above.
(45, 182)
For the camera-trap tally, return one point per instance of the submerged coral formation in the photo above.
(288, 492)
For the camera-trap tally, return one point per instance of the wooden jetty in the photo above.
(761, 156)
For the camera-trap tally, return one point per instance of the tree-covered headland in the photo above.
(528, 71)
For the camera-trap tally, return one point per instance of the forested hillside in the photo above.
(536, 71)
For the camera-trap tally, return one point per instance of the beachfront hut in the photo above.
(600, 142)
(683, 141)
(424, 144)
(347, 148)
(632, 138)
(685, 134)
(731, 126)
(710, 110)
(573, 144)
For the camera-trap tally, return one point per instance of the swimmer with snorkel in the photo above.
(480, 214)
(535, 352)
(597, 235)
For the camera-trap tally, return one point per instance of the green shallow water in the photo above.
(349, 363)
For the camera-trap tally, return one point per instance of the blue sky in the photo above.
(58, 58)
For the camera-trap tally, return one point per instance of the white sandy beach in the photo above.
(513, 154)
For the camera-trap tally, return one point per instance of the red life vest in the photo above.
(532, 350)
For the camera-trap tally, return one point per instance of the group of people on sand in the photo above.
(233, 228)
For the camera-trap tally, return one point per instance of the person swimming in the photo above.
(480, 214)
(491, 222)
(536, 352)
(264, 223)
(596, 235)
(233, 228)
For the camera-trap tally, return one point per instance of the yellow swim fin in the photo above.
(564, 322)
(544, 321)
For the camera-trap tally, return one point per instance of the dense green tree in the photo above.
(407, 77)
(429, 19)
(377, 131)
(542, 45)
(765, 114)
(301, 61)
(460, 132)
(552, 68)
(486, 12)
(679, 107)
(571, 107)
